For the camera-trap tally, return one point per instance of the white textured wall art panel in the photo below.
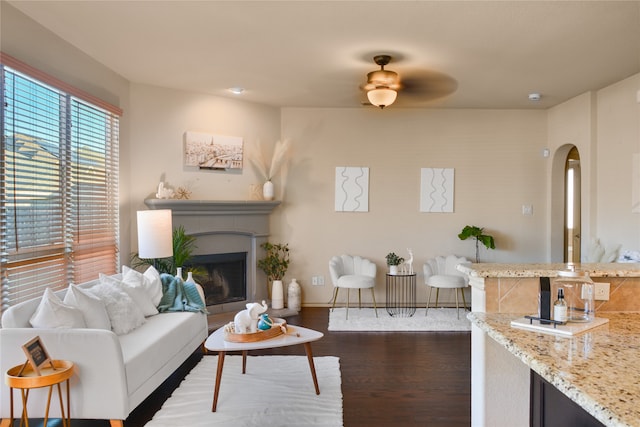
(352, 189)
(436, 190)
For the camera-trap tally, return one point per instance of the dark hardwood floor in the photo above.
(388, 378)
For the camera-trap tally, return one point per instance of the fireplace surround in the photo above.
(222, 228)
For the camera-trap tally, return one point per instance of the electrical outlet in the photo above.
(320, 280)
(601, 291)
(314, 281)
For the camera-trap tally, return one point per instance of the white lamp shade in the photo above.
(382, 97)
(155, 234)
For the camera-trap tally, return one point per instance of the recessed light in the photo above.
(534, 97)
(236, 90)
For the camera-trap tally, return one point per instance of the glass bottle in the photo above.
(560, 308)
(578, 294)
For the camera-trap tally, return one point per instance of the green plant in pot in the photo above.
(478, 234)
(275, 263)
(393, 261)
(183, 247)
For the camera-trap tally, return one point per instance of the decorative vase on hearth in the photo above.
(294, 295)
(277, 295)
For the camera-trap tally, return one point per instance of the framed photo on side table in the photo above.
(36, 355)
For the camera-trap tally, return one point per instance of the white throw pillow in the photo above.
(123, 313)
(153, 285)
(92, 308)
(133, 283)
(53, 313)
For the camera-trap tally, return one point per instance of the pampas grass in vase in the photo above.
(278, 162)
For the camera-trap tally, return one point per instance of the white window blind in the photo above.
(58, 188)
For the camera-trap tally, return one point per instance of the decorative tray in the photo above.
(279, 328)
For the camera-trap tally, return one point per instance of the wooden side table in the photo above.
(49, 377)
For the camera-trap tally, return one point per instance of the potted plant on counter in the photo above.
(275, 265)
(393, 261)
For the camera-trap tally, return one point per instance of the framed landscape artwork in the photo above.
(216, 152)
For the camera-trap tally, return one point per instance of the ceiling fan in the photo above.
(417, 87)
(382, 85)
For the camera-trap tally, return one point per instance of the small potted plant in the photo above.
(393, 261)
(274, 265)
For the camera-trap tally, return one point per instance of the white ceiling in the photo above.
(317, 53)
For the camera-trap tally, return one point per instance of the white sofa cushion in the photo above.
(147, 349)
(447, 281)
(150, 281)
(356, 281)
(53, 313)
(124, 313)
(133, 283)
(154, 285)
(92, 308)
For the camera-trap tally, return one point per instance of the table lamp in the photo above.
(155, 235)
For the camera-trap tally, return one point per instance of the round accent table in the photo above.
(401, 294)
(26, 379)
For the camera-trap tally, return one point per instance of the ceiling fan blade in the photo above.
(427, 85)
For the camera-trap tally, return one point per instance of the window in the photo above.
(58, 187)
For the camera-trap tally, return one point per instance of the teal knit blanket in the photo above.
(178, 295)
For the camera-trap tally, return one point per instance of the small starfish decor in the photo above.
(183, 193)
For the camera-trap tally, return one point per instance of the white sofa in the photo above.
(114, 373)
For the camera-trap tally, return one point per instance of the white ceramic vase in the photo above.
(179, 272)
(190, 278)
(294, 295)
(393, 269)
(277, 295)
(268, 190)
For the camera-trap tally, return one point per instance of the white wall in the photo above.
(605, 127)
(498, 168)
(160, 117)
(570, 124)
(618, 124)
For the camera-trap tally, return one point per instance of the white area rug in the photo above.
(276, 391)
(364, 319)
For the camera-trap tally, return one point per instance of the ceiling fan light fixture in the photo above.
(382, 97)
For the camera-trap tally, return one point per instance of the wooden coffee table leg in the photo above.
(244, 361)
(218, 378)
(307, 348)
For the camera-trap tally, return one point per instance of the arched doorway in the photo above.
(566, 224)
(572, 213)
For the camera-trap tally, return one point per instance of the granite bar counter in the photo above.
(598, 369)
(513, 288)
(500, 382)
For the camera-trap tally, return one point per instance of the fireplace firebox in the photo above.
(222, 276)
